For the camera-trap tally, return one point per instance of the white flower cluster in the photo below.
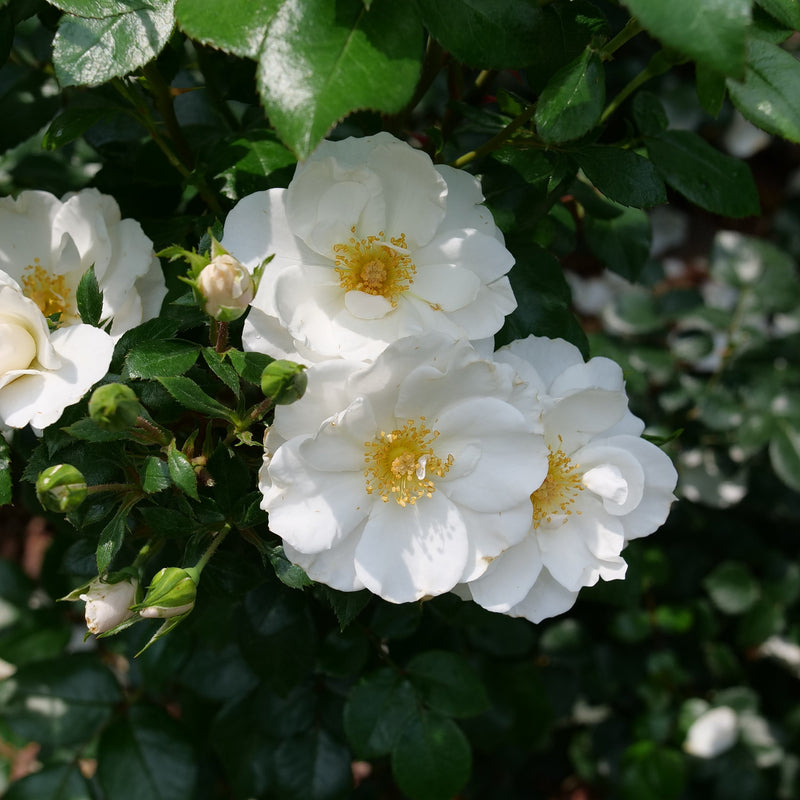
(48, 358)
(413, 466)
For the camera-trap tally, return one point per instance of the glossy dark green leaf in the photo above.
(90, 50)
(239, 30)
(346, 605)
(56, 782)
(72, 123)
(447, 683)
(432, 759)
(652, 772)
(621, 243)
(186, 392)
(312, 766)
(376, 713)
(622, 175)
(289, 574)
(161, 359)
(155, 475)
(570, 104)
(221, 368)
(786, 12)
(110, 540)
(766, 96)
(87, 430)
(5, 473)
(709, 31)
(146, 754)
(59, 702)
(182, 472)
(249, 365)
(711, 89)
(649, 114)
(784, 454)
(323, 59)
(732, 587)
(89, 298)
(719, 183)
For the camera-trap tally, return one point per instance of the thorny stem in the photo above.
(215, 543)
(148, 433)
(219, 335)
(658, 65)
(498, 139)
(110, 487)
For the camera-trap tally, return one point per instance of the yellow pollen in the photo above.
(401, 464)
(559, 489)
(375, 266)
(48, 291)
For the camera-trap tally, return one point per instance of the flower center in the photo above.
(559, 489)
(375, 266)
(49, 292)
(402, 463)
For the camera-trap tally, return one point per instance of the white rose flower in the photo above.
(372, 242)
(47, 245)
(405, 476)
(604, 486)
(41, 373)
(712, 733)
(107, 604)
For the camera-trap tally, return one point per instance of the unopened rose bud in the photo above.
(171, 592)
(61, 488)
(108, 604)
(284, 382)
(227, 288)
(114, 407)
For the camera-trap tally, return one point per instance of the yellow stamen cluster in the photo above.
(559, 489)
(48, 291)
(375, 266)
(400, 464)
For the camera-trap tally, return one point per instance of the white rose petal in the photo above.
(47, 245)
(372, 243)
(43, 373)
(605, 485)
(107, 604)
(712, 733)
(404, 476)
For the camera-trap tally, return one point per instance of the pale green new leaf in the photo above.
(323, 59)
(90, 50)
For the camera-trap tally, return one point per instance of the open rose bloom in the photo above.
(605, 484)
(41, 373)
(47, 245)
(406, 476)
(372, 243)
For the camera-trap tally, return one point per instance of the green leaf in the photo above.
(182, 472)
(249, 365)
(161, 359)
(622, 243)
(767, 95)
(649, 114)
(155, 475)
(711, 89)
(784, 454)
(110, 541)
(787, 12)
(289, 574)
(622, 175)
(55, 782)
(222, 369)
(312, 766)
(708, 31)
(570, 104)
(346, 605)
(716, 182)
(89, 298)
(86, 429)
(5, 472)
(240, 30)
(432, 759)
(150, 331)
(447, 683)
(146, 754)
(88, 51)
(74, 122)
(323, 59)
(652, 772)
(59, 702)
(186, 392)
(732, 588)
(376, 712)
